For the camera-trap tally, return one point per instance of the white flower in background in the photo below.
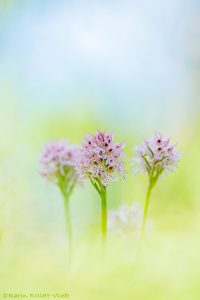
(126, 220)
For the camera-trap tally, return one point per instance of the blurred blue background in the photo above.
(133, 61)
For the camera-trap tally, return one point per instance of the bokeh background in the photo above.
(71, 67)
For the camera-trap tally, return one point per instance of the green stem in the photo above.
(153, 178)
(101, 190)
(145, 214)
(66, 196)
(152, 182)
(146, 207)
(68, 224)
(103, 215)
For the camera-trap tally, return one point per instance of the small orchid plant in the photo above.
(58, 165)
(155, 157)
(125, 221)
(100, 160)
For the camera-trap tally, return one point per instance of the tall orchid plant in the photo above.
(155, 157)
(100, 160)
(58, 165)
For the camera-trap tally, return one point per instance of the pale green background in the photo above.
(71, 67)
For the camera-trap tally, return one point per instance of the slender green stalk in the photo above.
(68, 224)
(153, 178)
(146, 207)
(145, 214)
(66, 193)
(101, 190)
(103, 215)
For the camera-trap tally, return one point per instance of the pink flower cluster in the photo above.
(156, 154)
(100, 158)
(58, 159)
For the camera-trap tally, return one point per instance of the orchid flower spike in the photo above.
(101, 158)
(156, 156)
(58, 164)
